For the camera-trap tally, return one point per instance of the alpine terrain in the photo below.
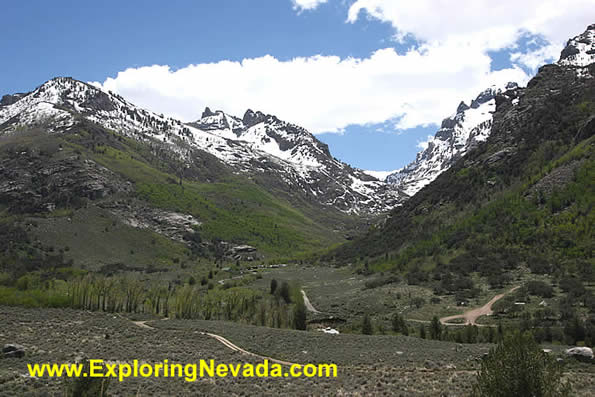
(133, 237)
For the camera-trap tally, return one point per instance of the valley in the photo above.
(126, 234)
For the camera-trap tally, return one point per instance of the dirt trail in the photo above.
(142, 324)
(226, 343)
(309, 306)
(471, 316)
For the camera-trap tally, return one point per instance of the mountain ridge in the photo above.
(262, 144)
(524, 196)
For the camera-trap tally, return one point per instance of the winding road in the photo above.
(469, 316)
(225, 342)
(472, 315)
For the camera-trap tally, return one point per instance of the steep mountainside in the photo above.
(300, 160)
(287, 156)
(523, 196)
(90, 178)
(470, 125)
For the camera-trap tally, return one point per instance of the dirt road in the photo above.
(225, 342)
(309, 306)
(472, 315)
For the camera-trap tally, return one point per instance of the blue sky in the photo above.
(328, 69)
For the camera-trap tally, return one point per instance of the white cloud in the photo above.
(322, 93)
(307, 4)
(536, 58)
(413, 88)
(489, 24)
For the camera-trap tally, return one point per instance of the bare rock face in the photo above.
(32, 182)
(170, 224)
(585, 353)
(13, 350)
(243, 252)
(458, 134)
(10, 99)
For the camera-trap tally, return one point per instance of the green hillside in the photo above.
(524, 197)
(67, 200)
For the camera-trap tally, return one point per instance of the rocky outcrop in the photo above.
(13, 350)
(580, 50)
(10, 99)
(252, 118)
(581, 353)
(469, 126)
(32, 181)
(173, 225)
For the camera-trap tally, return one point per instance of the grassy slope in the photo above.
(231, 207)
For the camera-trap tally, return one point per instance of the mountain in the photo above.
(258, 144)
(470, 125)
(580, 50)
(521, 196)
(75, 157)
(299, 159)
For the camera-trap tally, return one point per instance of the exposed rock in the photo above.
(252, 118)
(242, 249)
(458, 134)
(498, 156)
(171, 224)
(10, 99)
(580, 50)
(207, 113)
(13, 350)
(556, 179)
(580, 352)
(35, 181)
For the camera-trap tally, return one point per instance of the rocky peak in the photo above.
(207, 113)
(252, 118)
(58, 100)
(458, 134)
(10, 99)
(462, 107)
(580, 50)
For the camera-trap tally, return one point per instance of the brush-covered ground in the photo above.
(368, 365)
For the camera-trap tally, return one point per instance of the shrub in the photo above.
(540, 288)
(284, 292)
(88, 387)
(367, 328)
(518, 367)
(299, 315)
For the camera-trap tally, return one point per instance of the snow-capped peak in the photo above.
(62, 97)
(258, 144)
(266, 133)
(459, 133)
(580, 50)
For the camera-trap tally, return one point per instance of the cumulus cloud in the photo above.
(489, 24)
(307, 4)
(322, 93)
(413, 88)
